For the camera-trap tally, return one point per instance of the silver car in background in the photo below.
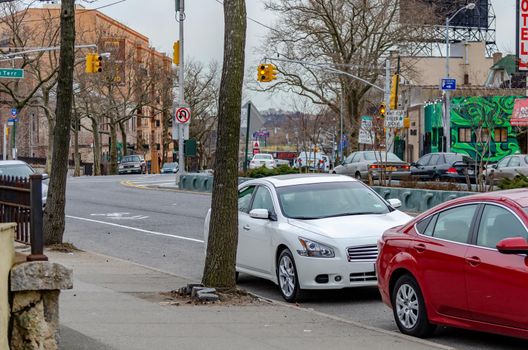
(359, 164)
(508, 168)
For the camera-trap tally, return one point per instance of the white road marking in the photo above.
(136, 229)
(121, 216)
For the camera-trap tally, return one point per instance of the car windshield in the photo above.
(129, 159)
(169, 165)
(262, 156)
(333, 199)
(380, 156)
(19, 170)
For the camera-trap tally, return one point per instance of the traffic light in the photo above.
(176, 54)
(394, 92)
(382, 110)
(262, 73)
(89, 63)
(97, 63)
(272, 72)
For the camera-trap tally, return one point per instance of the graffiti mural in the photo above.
(472, 121)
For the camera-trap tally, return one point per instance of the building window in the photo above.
(464, 135)
(158, 123)
(501, 135)
(158, 146)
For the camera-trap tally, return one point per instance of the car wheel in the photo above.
(287, 277)
(409, 308)
(358, 175)
(436, 178)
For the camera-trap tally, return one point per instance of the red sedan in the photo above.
(462, 264)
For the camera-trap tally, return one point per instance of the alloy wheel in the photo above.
(287, 276)
(407, 306)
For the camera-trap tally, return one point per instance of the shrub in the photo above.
(520, 181)
(264, 172)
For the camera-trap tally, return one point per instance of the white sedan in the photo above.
(311, 231)
(262, 159)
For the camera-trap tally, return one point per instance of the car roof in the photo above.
(12, 162)
(518, 196)
(304, 179)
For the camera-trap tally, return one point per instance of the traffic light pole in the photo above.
(181, 126)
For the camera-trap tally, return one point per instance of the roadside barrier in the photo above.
(413, 200)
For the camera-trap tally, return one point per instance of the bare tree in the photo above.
(219, 270)
(54, 217)
(354, 36)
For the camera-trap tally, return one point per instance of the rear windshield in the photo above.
(262, 156)
(380, 156)
(131, 159)
(18, 170)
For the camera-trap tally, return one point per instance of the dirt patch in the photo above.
(236, 298)
(63, 248)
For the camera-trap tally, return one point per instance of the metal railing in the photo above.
(21, 203)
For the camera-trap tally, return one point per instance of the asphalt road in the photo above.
(164, 230)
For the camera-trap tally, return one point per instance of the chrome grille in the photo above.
(363, 253)
(363, 277)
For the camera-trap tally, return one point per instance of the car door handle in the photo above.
(473, 261)
(419, 247)
(247, 228)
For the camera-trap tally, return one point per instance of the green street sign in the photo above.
(11, 73)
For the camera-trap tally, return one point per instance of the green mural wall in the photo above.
(477, 113)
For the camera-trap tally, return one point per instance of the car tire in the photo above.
(408, 306)
(436, 178)
(357, 175)
(287, 277)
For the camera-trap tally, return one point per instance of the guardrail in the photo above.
(21, 203)
(413, 200)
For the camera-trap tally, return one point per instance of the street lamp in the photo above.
(447, 125)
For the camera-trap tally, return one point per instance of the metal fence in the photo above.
(21, 203)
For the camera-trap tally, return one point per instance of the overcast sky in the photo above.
(204, 30)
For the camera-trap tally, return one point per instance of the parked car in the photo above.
(311, 231)
(19, 168)
(132, 164)
(280, 162)
(169, 168)
(306, 159)
(444, 167)
(460, 264)
(359, 164)
(508, 168)
(262, 159)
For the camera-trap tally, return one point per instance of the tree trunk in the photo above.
(113, 150)
(96, 149)
(219, 271)
(123, 139)
(51, 137)
(76, 153)
(54, 217)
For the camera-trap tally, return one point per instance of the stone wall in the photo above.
(7, 258)
(35, 288)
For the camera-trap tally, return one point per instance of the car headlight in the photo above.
(121, 166)
(315, 249)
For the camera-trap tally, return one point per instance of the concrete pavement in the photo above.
(115, 304)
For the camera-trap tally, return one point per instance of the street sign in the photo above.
(183, 115)
(449, 84)
(394, 119)
(12, 120)
(13, 112)
(522, 37)
(520, 113)
(13, 73)
(365, 131)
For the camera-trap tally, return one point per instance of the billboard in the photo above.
(437, 11)
(522, 35)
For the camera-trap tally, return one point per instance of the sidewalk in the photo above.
(115, 304)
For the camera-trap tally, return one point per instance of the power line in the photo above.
(253, 20)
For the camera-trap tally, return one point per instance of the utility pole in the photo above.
(4, 150)
(388, 141)
(180, 8)
(247, 137)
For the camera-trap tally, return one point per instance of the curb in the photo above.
(300, 308)
(130, 184)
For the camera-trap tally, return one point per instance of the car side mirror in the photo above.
(514, 245)
(494, 166)
(395, 203)
(45, 176)
(260, 214)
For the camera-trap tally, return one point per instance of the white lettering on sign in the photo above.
(522, 35)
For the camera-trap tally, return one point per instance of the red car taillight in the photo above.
(373, 166)
(405, 167)
(452, 171)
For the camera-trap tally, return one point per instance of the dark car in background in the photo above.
(133, 164)
(444, 167)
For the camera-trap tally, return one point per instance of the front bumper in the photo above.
(341, 273)
(130, 170)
